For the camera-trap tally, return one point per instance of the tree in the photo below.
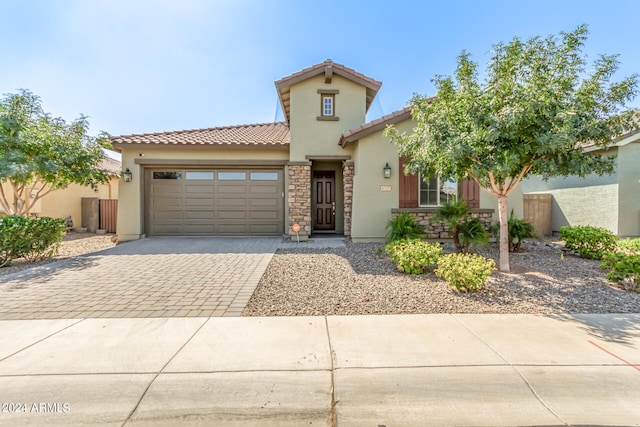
(533, 113)
(39, 153)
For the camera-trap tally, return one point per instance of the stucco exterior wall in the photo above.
(131, 194)
(592, 200)
(313, 137)
(372, 206)
(629, 190)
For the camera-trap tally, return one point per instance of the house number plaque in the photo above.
(385, 188)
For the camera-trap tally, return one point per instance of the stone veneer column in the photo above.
(347, 180)
(300, 197)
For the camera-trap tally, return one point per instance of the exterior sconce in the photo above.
(387, 171)
(127, 175)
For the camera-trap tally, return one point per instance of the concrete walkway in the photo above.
(154, 277)
(410, 370)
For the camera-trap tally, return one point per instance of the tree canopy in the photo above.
(39, 153)
(537, 108)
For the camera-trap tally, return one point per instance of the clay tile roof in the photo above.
(266, 135)
(328, 68)
(375, 125)
(111, 166)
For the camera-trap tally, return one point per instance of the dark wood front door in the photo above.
(324, 200)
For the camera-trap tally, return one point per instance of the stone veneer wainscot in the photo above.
(438, 230)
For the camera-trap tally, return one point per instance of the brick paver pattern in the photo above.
(154, 277)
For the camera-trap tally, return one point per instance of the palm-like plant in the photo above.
(404, 226)
(463, 231)
(519, 229)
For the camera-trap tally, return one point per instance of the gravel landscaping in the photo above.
(359, 280)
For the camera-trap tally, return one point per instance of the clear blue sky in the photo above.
(136, 66)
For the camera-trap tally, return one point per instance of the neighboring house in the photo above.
(608, 201)
(323, 168)
(67, 201)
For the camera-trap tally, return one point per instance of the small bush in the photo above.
(589, 242)
(404, 227)
(519, 229)
(466, 272)
(623, 267)
(629, 245)
(471, 231)
(414, 256)
(32, 238)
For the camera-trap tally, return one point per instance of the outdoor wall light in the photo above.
(387, 171)
(127, 175)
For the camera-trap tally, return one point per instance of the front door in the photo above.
(324, 200)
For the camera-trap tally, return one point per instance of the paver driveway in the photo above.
(154, 277)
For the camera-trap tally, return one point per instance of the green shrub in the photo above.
(466, 272)
(623, 267)
(629, 245)
(414, 256)
(404, 227)
(32, 238)
(463, 230)
(589, 242)
(471, 231)
(519, 229)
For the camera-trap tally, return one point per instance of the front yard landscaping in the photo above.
(360, 279)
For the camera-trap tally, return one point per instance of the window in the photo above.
(232, 176)
(263, 176)
(435, 192)
(327, 105)
(199, 175)
(167, 175)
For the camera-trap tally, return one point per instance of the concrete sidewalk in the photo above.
(409, 370)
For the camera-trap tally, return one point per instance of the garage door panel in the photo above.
(207, 215)
(214, 202)
(269, 189)
(193, 202)
(199, 229)
(235, 202)
(263, 229)
(263, 215)
(232, 229)
(232, 214)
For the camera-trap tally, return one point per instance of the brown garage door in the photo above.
(214, 202)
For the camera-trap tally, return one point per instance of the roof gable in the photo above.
(328, 68)
(375, 126)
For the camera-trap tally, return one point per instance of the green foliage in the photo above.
(39, 153)
(589, 242)
(519, 229)
(463, 230)
(471, 232)
(465, 272)
(413, 256)
(32, 238)
(404, 226)
(623, 267)
(629, 245)
(529, 116)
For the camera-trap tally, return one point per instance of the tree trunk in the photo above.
(504, 233)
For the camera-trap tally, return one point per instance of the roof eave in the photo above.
(375, 126)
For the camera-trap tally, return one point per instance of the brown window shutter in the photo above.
(408, 187)
(471, 192)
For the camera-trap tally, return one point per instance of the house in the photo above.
(67, 202)
(608, 201)
(323, 168)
